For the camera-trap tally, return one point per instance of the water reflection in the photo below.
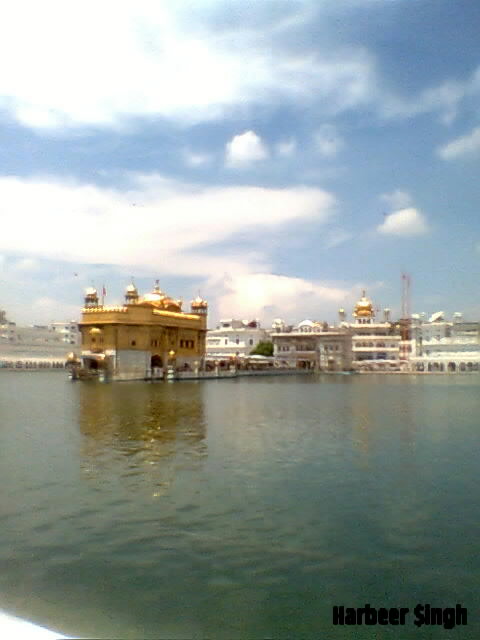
(393, 413)
(144, 422)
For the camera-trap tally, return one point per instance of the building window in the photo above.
(133, 343)
(250, 342)
(237, 340)
(226, 340)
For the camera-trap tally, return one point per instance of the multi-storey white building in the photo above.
(8, 330)
(312, 345)
(375, 345)
(235, 338)
(68, 332)
(443, 346)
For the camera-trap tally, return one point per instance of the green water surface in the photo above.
(241, 508)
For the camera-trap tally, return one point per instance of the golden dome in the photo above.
(199, 303)
(94, 331)
(364, 308)
(153, 297)
(169, 304)
(159, 300)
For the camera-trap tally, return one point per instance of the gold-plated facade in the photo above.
(135, 340)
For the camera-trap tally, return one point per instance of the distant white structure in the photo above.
(443, 346)
(67, 331)
(278, 325)
(313, 345)
(60, 333)
(375, 343)
(8, 330)
(235, 338)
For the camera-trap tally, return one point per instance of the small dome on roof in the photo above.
(199, 302)
(169, 304)
(131, 294)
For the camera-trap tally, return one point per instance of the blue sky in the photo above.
(277, 156)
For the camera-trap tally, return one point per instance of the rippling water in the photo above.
(237, 508)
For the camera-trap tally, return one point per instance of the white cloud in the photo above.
(193, 159)
(327, 140)
(157, 224)
(102, 63)
(159, 59)
(466, 145)
(336, 237)
(286, 148)
(244, 150)
(25, 264)
(406, 222)
(268, 296)
(46, 309)
(445, 99)
(397, 199)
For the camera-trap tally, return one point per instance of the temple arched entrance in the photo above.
(92, 364)
(156, 361)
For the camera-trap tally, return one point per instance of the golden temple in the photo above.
(143, 337)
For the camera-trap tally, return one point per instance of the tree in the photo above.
(263, 349)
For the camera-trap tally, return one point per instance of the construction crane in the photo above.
(406, 319)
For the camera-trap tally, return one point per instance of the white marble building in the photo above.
(235, 338)
(312, 345)
(375, 344)
(68, 332)
(443, 346)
